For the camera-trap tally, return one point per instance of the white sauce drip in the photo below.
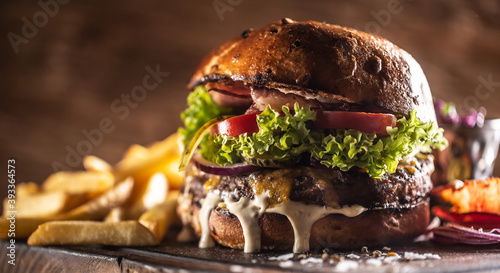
(248, 212)
(209, 203)
(301, 217)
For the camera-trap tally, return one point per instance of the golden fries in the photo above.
(141, 162)
(116, 215)
(136, 151)
(153, 192)
(171, 171)
(27, 189)
(45, 204)
(149, 230)
(129, 204)
(90, 182)
(94, 209)
(23, 227)
(156, 191)
(98, 208)
(159, 218)
(94, 163)
(125, 233)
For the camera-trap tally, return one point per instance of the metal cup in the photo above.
(471, 152)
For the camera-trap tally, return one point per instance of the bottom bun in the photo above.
(370, 228)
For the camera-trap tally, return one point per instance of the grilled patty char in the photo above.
(410, 184)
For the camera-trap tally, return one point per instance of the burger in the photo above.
(301, 135)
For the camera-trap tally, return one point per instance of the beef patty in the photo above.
(409, 185)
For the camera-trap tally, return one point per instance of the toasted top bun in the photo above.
(324, 62)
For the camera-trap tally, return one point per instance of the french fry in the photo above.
(156, 191)
(125, 233)
(22, 227)
(99, 207)
(45, 204)
(136, 151)
(142, 164)
(170, 145)
(27, 189)
(94, 163)
(153, 192)
(23, 190)
(171, 170)
(64, 209)
(90, 182)
(115, 215)
(134, 160)
(159, 218)
(94, 209)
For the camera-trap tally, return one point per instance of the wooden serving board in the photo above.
(172, 256)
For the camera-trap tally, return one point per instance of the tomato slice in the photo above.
(372, 123)
(238, 125)
(364, 122)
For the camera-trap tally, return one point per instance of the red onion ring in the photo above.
(242, 168)
(232, 169)
(453, 233)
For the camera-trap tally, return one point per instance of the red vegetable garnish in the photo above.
(471, 196)
(232, 169)
(237, 125)
(453, 233)
(475, 205)
(469, 219)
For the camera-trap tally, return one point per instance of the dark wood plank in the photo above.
(58, 259)
(173, 256)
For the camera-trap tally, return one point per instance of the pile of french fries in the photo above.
(129, 204)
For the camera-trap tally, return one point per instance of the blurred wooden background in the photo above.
(78, 59)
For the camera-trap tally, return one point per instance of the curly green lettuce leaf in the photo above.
(350, 148)
(201, 109)
(280, 136)
(285, 135)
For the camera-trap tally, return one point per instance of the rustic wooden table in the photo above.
(171, 256)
